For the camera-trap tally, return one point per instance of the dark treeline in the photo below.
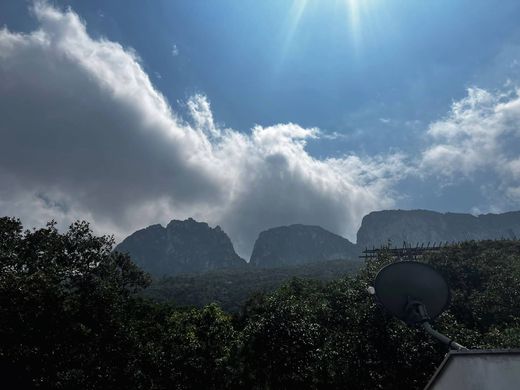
(231, 288)
(72, 316)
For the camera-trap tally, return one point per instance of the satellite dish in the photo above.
(402, 283)
(416, 294)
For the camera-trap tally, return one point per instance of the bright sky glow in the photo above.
(355, 11)
(354, 18)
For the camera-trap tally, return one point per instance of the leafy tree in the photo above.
(281, 341)
(232, 287)
(198, 348)
(313, 336)
(64, 307)
(71, 316)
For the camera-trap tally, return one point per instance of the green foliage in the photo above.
(281, 340)
(198, 348)
(232, 287)
(72, 316)
(485, 281)
(313, 336)
(64, 303)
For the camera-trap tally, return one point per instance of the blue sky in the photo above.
(373, 76)
(404, 61)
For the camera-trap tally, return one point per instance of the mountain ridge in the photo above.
(187, 247)
(419, 226)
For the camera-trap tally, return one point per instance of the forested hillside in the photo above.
(230, 288)
(70, 318)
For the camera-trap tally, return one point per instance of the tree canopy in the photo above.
(72, 316)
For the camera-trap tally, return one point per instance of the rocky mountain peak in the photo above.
(299, 244)
(182, 247)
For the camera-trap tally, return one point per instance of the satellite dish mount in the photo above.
(416, 294)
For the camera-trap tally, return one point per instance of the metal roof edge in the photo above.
(450, 355)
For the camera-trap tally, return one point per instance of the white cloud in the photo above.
(200, 111)
(481, 135)
(86, 135)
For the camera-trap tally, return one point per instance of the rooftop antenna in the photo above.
(414, 293)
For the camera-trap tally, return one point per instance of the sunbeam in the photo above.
(354, 20)
(295, 15)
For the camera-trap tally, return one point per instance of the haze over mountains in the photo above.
(185, 247)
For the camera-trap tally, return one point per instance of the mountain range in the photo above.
(422, 226)
(188, 247)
